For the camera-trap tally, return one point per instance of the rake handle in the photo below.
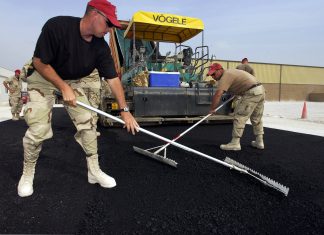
(196, 124)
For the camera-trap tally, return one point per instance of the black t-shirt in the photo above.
(60, 44)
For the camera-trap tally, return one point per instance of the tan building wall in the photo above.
(300, 91)
(272, 91)
(287, 82)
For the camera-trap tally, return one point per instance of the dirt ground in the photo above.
(199, 197)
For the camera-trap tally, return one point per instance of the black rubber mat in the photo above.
(199, 197)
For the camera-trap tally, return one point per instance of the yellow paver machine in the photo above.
(162, 88)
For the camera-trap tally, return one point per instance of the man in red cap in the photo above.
(67, 51)
(251, 105)
(13, 84)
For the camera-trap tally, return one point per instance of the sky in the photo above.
(276, 31)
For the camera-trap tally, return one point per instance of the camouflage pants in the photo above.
(16, 104)
(251, 105)
(92, 86)
(38, 114)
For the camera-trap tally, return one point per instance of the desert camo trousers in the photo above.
(251, 105)
(16, 104)
(38, 114)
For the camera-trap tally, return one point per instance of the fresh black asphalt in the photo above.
(199, 197)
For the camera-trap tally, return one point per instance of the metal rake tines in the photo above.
(155, 156)
(262, 178)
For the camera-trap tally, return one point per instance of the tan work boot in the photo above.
(15, 117)
(233, 145)
(25, 185)
(95, 175)
(258, 143)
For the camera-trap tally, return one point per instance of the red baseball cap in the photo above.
(108, 9)
(213, 67)
(17, 71)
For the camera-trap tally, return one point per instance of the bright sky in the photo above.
(276, 31)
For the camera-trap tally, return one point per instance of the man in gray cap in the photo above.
(245, 66)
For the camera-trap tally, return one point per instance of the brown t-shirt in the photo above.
(236, 81)
(247, 68)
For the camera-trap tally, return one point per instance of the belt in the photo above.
(255, 85)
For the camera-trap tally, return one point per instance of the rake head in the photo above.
(264, 179)
(160, 158)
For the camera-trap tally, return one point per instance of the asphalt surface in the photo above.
(199, 197)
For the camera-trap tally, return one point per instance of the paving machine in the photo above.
(162, 88)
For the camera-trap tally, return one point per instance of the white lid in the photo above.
(157, 72)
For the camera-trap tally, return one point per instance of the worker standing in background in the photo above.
(246, 67)
(68, 50)
(251, 105)
(13, 84)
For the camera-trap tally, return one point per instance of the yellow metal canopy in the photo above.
(162, 27)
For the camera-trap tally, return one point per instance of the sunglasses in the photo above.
(109, 24)
(214, 73)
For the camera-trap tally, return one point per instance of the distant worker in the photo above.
(246, 67)
(13, 84)
(251, 105)
(67, 51)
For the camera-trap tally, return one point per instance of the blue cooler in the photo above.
(164, 79)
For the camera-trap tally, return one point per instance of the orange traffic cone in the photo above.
(304, 112)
